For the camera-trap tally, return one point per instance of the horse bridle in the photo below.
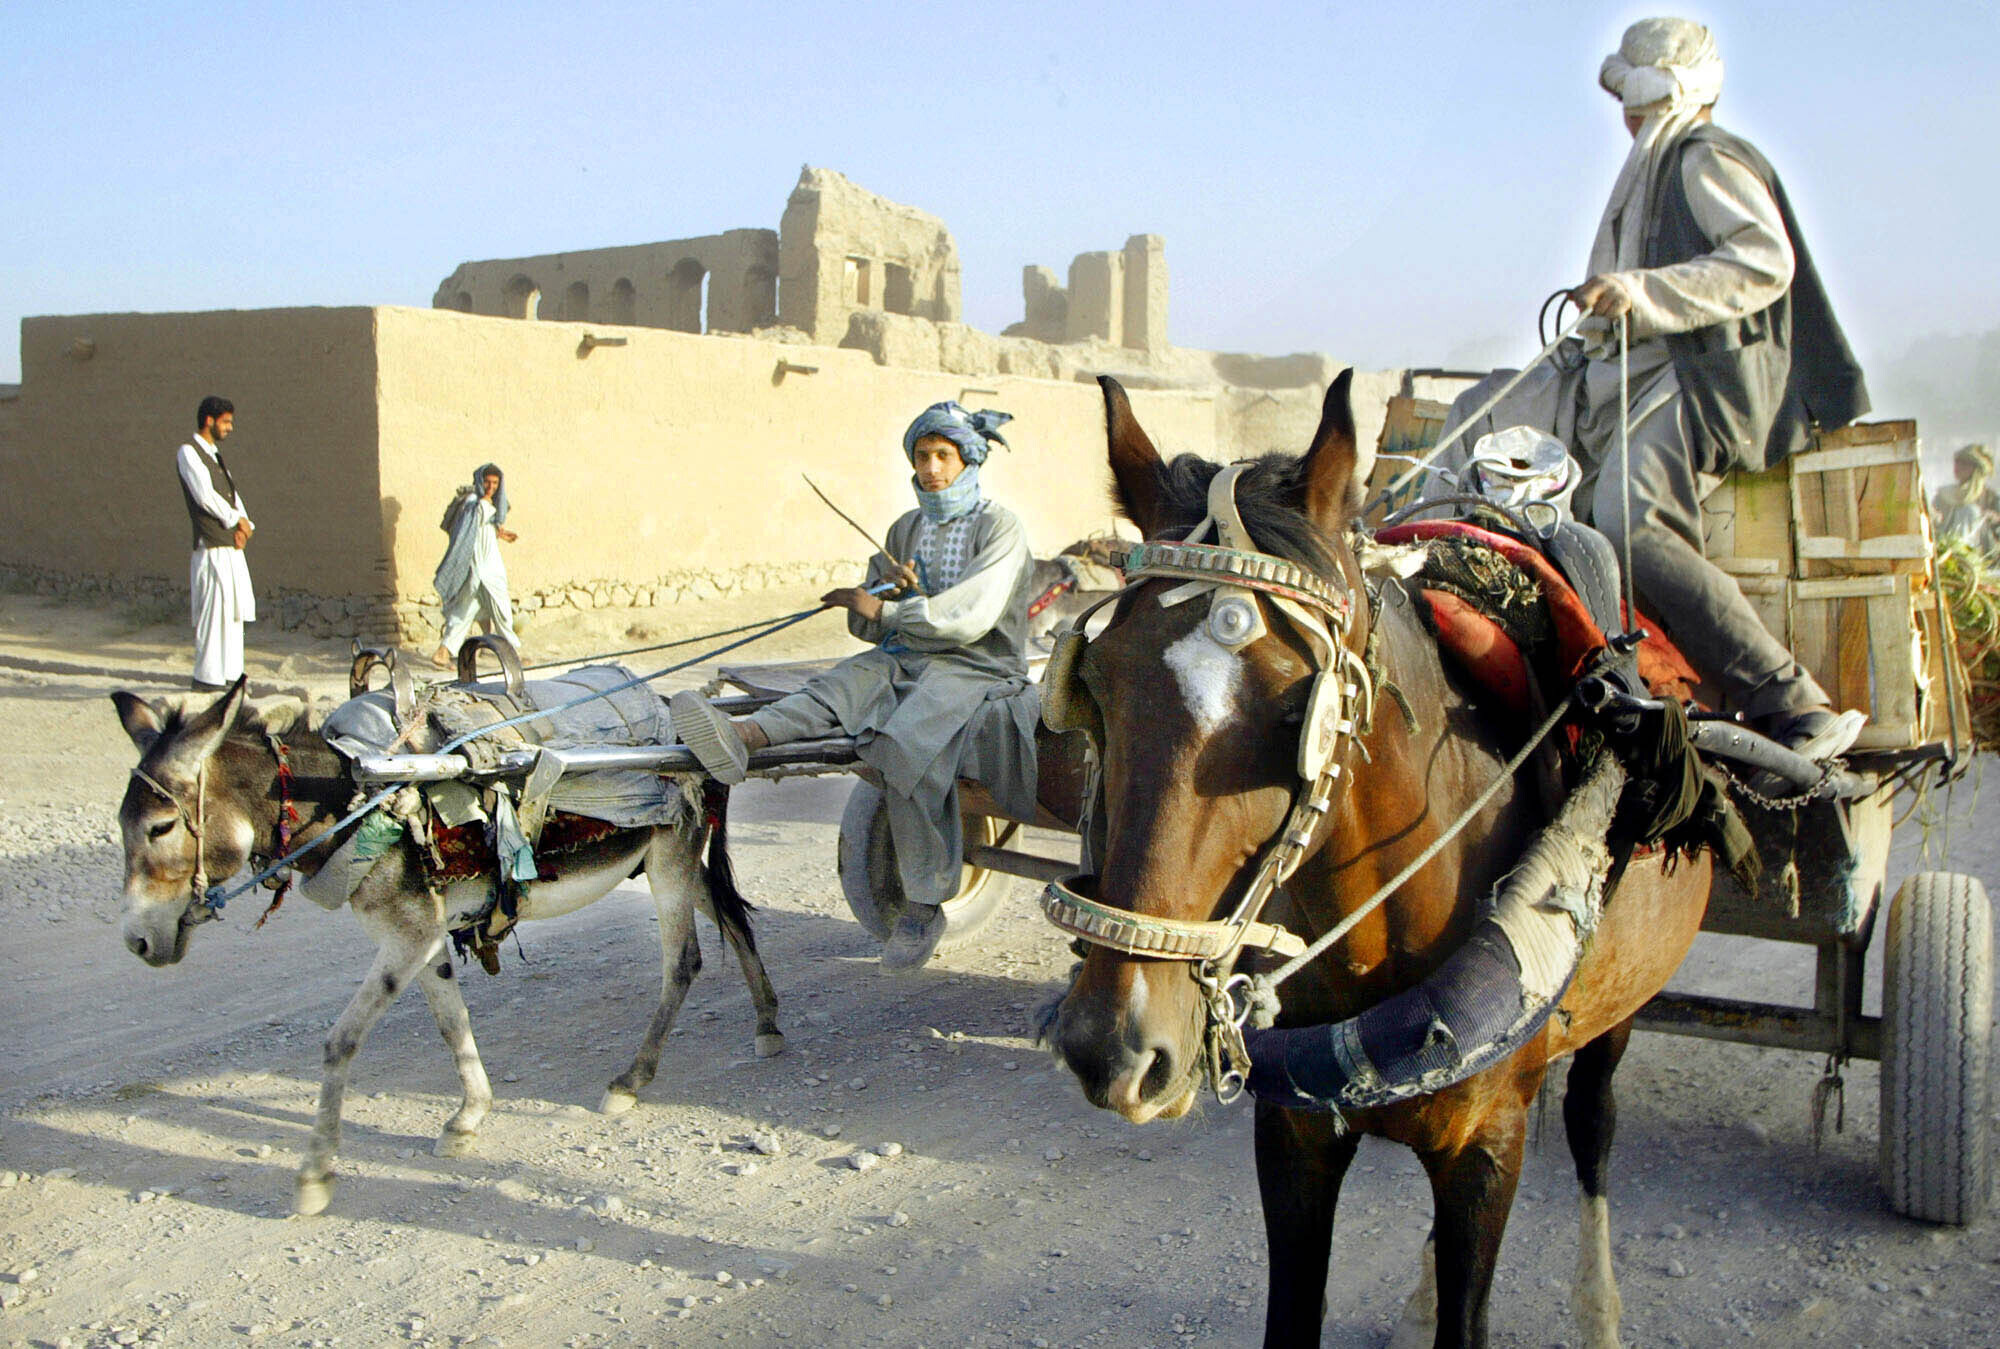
(1323, 612)
(199, 908)
(203, 905)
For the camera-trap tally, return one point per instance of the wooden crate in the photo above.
(1864, 639)
(1858, 503)
(1410, 426)
(1746, 524)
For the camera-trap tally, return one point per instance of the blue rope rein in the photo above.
(216, 896)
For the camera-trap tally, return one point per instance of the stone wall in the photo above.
(718, 283)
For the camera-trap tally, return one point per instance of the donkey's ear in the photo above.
(1330, 489)
(140, 718)
(1135, 465)
(205, 730)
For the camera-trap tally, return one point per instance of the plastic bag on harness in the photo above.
(1521, 467)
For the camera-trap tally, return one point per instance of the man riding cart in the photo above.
(1731, 357)
(944, 692)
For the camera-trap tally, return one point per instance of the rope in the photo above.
(643, 650)
(1625, 460)
(216, 896)
(1423, 461)
(1422, 859)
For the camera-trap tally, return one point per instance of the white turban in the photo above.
(1670, 70)
(1670, 61)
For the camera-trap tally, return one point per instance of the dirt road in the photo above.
(937, 1181)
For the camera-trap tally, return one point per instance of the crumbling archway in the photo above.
(623, 305)
(687, 297)
(523, 299)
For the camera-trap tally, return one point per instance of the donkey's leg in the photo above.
(1590, 1116)
(1301, 1161)
(1472, 1190)
(731, 912)
(440, 987)
(735, 926)
(399, 959)
(674, 877)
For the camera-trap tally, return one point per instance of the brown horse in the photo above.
(1199, 752)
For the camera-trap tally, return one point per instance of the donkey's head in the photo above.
(191, 812)
(1199, 697)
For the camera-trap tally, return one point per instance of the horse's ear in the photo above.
(1136, 466)
(140, 718)
(389, 659)
(205, 731)
(1329, 465)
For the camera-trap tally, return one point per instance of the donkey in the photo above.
(1199, 743)
(206, 797)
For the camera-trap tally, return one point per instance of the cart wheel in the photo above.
(868, 870)
(1937, 1012)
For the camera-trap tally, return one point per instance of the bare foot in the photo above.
(442, 659)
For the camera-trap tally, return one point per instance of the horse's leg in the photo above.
(440, 987)
(1301, 1160)
(1472, 1190)
(401, 952)
(1590, 1116)
(673, 877)
(1418, 1327)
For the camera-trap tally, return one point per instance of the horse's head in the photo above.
(1199, 697)
(187, 816)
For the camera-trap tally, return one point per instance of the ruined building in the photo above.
(625, 390)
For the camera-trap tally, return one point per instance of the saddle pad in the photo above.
(1577, 637)
(629, 798)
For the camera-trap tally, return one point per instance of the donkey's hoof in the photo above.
(313, 1195)
(617, 1101)
(770, 1044)
(455, 1143)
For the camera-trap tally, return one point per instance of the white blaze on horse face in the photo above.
(1210, 676)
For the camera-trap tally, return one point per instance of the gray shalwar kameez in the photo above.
(943, 695)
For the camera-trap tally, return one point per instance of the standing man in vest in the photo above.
(1734, 357)
(219, 595)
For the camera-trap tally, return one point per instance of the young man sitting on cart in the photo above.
(943, 693)
(1734, 355)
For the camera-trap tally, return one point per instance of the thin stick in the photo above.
(850, 520)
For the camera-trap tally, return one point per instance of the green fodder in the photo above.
(1970, 582)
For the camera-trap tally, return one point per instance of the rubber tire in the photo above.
(1937, 1027)
(872, 889)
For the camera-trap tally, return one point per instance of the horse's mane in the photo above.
(1267, 498)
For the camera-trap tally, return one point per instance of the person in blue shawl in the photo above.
(472, 580)
(942, 693)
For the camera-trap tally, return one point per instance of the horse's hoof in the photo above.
(455, 1143)
(313, 1196)
(617, 1101)
(770, 1045)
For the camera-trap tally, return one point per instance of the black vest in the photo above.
(1753, 387)
(210, 532)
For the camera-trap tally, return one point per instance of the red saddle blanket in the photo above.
(1496, 663)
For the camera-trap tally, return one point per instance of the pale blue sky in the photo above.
(1389, 183)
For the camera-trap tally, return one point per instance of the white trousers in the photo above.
(215, 604)
(472, 603)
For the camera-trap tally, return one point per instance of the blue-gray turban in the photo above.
(974, 433)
